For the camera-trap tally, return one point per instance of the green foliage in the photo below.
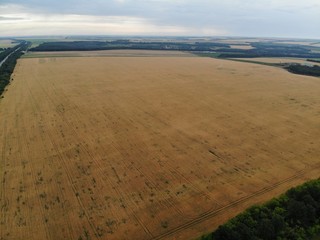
(206, 237)
(209, 48)
(261, 49)
(304, 70)
(8, 66)
(314, 60)
(127, 44)
(294, 215)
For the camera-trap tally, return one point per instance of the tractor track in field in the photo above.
(215, 212)
(3, 197)
(35, 109)
(110, 148)
(84, 149)
(67, 171)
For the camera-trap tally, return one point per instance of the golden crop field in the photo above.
(149, 147)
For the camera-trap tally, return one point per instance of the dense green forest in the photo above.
(222, 50)
(8, 66)
(313, 60)
(304, 69)
(294, 215)
(269, 49)
(308, 70)
(127, 44)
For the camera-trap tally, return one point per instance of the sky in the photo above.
(247, 18)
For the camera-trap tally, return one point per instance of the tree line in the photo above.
(8, 66)
(304, 69)
(294, 215)
(127, 44)
(313, 60)
(222, 50)
(269, 49)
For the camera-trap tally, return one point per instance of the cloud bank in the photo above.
(268, 18)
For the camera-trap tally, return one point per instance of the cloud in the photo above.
(43, 24)
(191, 17)
(10, 18)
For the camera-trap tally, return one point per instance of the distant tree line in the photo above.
(127, 44)
(304, 69)
(313, 60)
(8, 66)
(261, 49)
(223, 50)
(294, 215)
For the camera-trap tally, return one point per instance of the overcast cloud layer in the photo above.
(258, 18)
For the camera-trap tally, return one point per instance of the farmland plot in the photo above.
(149, 148)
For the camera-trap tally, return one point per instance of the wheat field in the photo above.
(149, 147)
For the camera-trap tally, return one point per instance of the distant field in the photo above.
(37, 41)
(149, 147)
(245, 47)
(232, 41)
(279, 41)
(305, 43)
(109, 53)
(6, 43)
